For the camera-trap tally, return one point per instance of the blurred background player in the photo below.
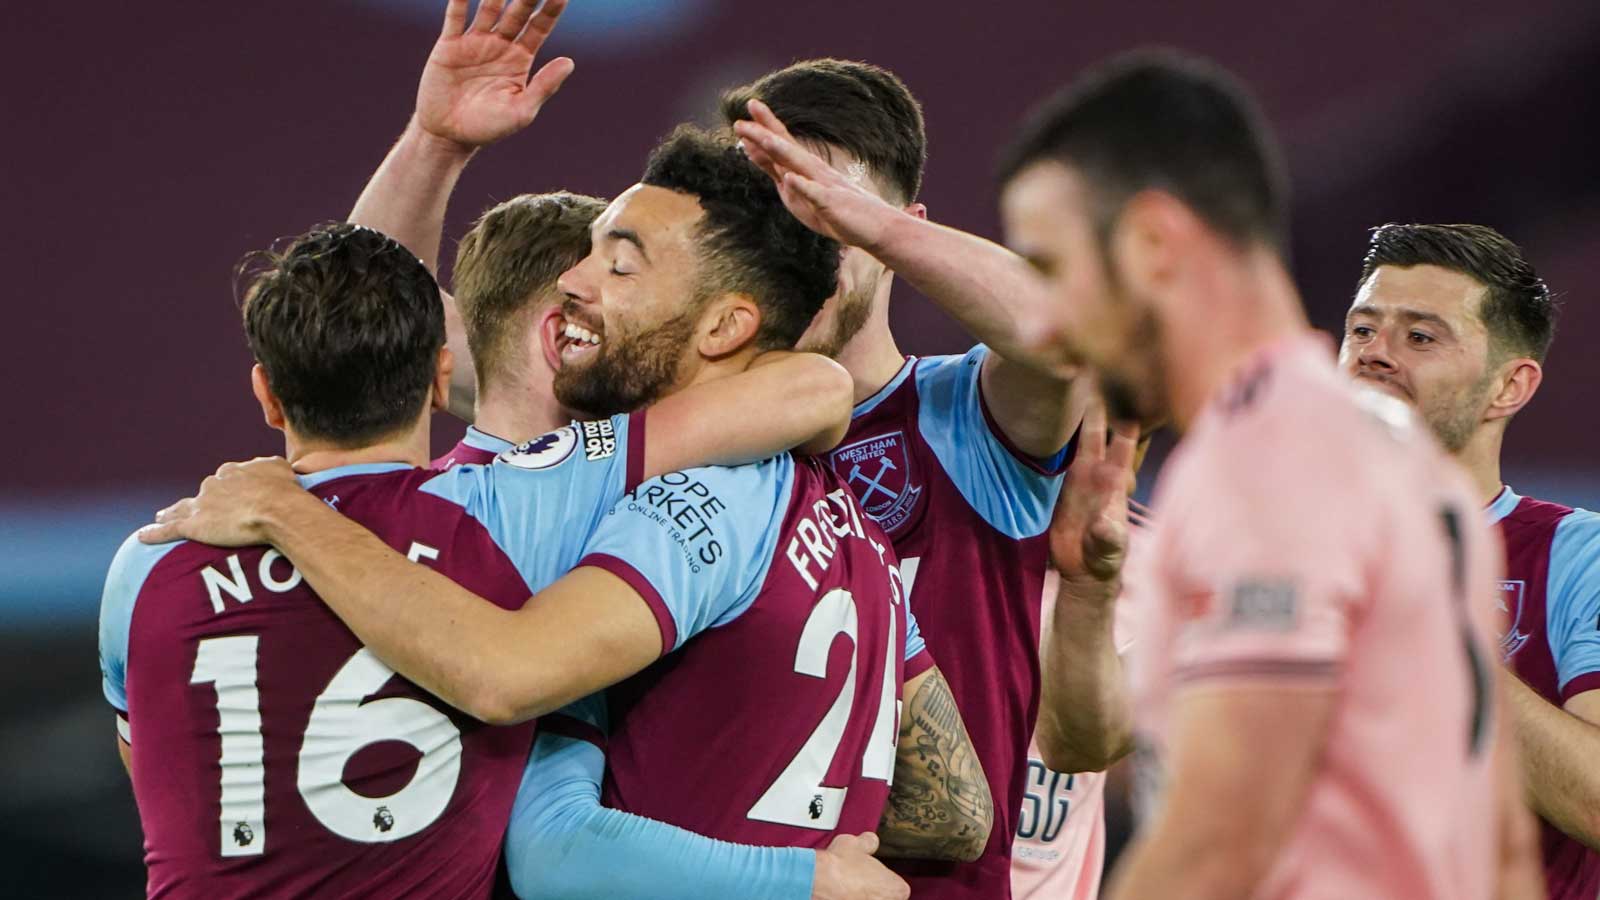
(957, 457)
(240, 696)
(1452, 320)
(1292, 585)
(759, 555)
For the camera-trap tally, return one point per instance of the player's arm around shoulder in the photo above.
(1242, 756)
(784, 401)
(940, 806)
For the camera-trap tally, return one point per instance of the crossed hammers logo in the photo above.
(874, 484)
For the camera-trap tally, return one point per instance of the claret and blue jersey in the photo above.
(1551, 603)
(967, 513)
(271, 754)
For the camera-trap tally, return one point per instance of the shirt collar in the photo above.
(315, 478)
(482, 440)
(1502, 505)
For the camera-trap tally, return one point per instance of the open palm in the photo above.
(1089, 532)
(475, 89)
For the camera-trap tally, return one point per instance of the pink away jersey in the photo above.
(1060, 849)
(271, 754)
(968, 515)
(1551, 601)
(1307, 532)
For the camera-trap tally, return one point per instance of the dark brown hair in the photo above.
(866, 110)
(1517, 308)
(749, 242)
(1156, 119)
(348, 325)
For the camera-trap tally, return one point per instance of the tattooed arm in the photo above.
(940, 806)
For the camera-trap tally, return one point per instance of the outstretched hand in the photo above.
(827, 201)
(231, 508)
(475, 88)
(1089, 532)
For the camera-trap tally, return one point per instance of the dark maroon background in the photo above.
(148, 146)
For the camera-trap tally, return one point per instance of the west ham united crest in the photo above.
(1510, 605)
(878, 469)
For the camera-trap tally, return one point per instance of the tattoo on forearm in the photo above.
(940, 807)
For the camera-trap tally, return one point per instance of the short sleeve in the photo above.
(540, 499)
(130, 568)
(918, 658)
(696, 544)
(1012, 491)
(1255, 586)
(1573, 603)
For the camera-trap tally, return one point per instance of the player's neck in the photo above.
(519, 412)
(411, 447)
(1252, 305)
(1481, 460)
(872, 357)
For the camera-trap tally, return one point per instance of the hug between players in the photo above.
(723, 595)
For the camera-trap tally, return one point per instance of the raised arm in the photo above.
(991, 291)
(562, 844)
(940, 806)
(475, 90)
(1085, 713)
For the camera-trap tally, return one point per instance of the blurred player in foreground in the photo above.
(1452, 320)
(258, 763)
(692, 273)
(958, 457)
(1293, 590)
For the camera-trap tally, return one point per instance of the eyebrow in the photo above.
(632, 237)
(1410, 315)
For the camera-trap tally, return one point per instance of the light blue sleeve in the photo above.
(696, 544)
(1011, 491)
(563, 845)
(914, 642)
(1572, 601)
(541, 499)
(129, 569)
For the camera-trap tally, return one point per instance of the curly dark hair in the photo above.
(1517, 308)
(749, 242)
(861, 107)
(348, 325)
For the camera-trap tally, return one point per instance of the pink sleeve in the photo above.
(1265, 580)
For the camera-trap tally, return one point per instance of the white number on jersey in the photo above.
(340, 726)
(798, 796)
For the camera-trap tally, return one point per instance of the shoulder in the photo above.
(1575, 549)
(134, 563)
(944, 373)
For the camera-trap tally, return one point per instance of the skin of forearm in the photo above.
(1085, 716)
(1170, 867)
(991, 291)
(1560, 762)
(940, 806)
(407, 196)
(382, 597)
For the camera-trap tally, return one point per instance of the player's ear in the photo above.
(917, 210)
(271, 409)
(441, 379)
(1519, 381)
(1145, 239)
(729, 325)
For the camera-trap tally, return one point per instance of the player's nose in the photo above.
(1375, 355)
(574, 284)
